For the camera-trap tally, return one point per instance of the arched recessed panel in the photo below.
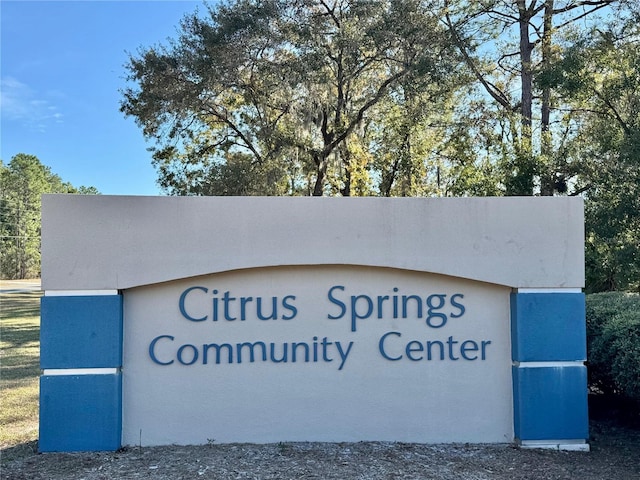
(317, 353)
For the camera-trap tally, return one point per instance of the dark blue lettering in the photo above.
(484, 348)
(381, 346)
(395, 303)
(431, 314)
(284, 353)
(343, 353)
(152, 347)
(332, 299)
(381, 300)
(274, 309)
(183, 311)
(243, 303)
(451, 342)
(354, 309)
(459, 306)
(193, 359)
(473, 347)
(217, 348)
(294, 349)
(325, 344)
(430, 344)
(290, 307)
(251, 351)
(414, 346)
(226, 299)
(405, 301)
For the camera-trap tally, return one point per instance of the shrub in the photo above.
(613, 343)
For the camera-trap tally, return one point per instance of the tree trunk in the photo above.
(321, 163)
(526, 77)
(547, 176)
(525, 168)
(345, 191)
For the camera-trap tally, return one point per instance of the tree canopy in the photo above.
(22, 182)
(600, 75)
(404, 98)
(294, 94)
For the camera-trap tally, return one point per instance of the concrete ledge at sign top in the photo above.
(120, 242)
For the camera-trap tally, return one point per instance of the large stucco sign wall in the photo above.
(180, 320)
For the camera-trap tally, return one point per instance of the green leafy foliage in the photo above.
(22, 182)
(599, 77)
(508, 47)
(406, 98)
(613, 343)
(296, 86)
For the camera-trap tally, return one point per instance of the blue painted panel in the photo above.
(550, 403)
(548, 327)
(80, 413)
(81, 332)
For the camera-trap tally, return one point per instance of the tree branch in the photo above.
(614, 112)
(497, 95)
(360, 115)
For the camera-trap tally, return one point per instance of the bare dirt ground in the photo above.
(615, 454)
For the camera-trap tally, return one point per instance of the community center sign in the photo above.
(176, 320)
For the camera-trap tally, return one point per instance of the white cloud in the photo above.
(20, 103)
(12, 98)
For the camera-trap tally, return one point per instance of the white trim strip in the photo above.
(80, 371)
(574, 363)
(549, 290)
(566, 445)
(78, 293)
(553, 441)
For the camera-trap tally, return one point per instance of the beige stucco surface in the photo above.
(120, 242)
(408, 397)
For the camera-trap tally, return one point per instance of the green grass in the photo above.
(19, 368)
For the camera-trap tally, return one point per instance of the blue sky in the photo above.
(62, 66)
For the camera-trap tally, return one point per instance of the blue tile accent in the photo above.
(550, 403)
(80, 412)
(81, 332)
(548, 327)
